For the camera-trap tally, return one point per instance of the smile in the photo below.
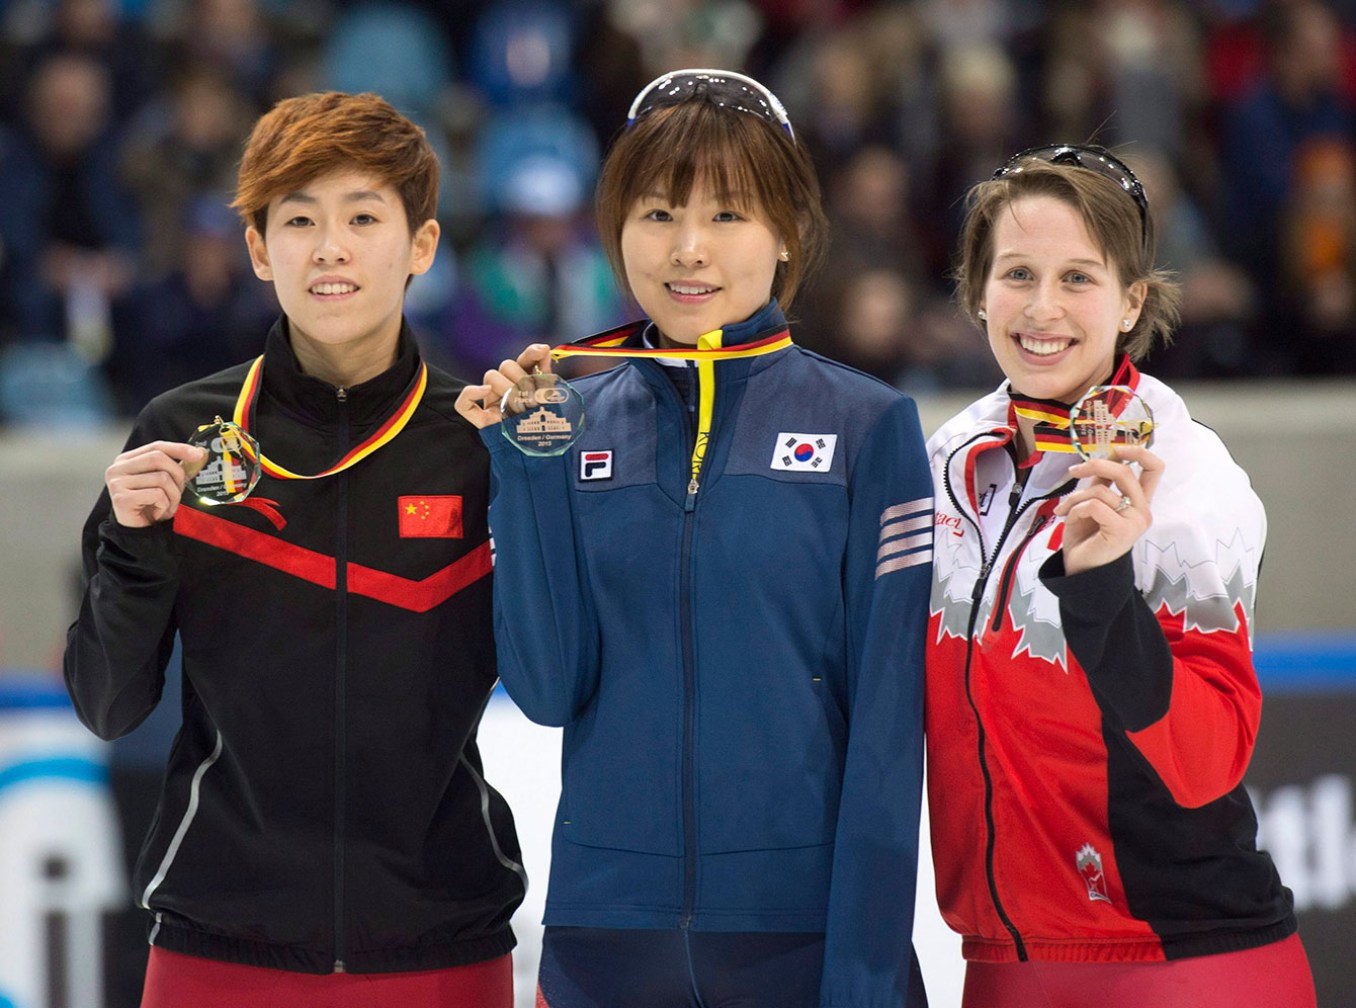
(328, 289)
(1043, 347)
(689, 290)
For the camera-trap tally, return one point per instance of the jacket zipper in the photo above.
(1015, 511)
(976, 595)
(689, 771)
(340, 688)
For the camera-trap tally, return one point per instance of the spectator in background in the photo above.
(1126, 71)
(95, 29)
(538, 274)
(704, 33)
(205, 314)
(1300, 97)
(844, 107)
(1217, 298)
(186, 149)
(1318, 255)
(868, 203)
(71, 234)
(981, 117)
(235, 38)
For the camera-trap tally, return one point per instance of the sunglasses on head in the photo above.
(723, 87)
(1095, 159)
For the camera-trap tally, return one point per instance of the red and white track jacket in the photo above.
(1087, 734)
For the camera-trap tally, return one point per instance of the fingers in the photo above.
(146, 483)
(1151, 468)
(479, 404)
(536, 357)
(1113, 481)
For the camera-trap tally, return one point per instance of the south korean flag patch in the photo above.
(804, 452)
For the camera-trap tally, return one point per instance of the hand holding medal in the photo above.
(1110, 427)
(538, 412)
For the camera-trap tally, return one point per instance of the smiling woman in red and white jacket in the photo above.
(1091, 699)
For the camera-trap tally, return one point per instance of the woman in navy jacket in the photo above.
(720, 592)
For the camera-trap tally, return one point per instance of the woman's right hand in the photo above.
(146, 483)
(480, 403)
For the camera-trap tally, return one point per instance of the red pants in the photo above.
(1273, 976)
(182, 981)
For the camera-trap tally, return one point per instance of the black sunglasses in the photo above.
(723, 87)
(1096, 159)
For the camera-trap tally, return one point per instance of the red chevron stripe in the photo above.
(318, 568)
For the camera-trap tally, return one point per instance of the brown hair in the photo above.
(1113, 222)
(312, 135)
(734, 152)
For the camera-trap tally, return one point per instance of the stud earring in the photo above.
(983, 315)
(1126, 324)
(784, 255)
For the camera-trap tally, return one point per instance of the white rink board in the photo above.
(522, 762)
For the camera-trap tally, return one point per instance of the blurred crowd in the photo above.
(122, 272)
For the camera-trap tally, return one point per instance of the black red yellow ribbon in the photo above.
(384, 434)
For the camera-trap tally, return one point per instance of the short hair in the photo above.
(302, 138)
(734, 152)
(1113, 222)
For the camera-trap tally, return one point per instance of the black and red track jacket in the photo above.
(323, 807)
(1088, 734)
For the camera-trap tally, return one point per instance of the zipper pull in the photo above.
(978, 591)
(692, 487)
(339, 966)
(341, 394)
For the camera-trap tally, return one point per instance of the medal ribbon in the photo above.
(707, 351)
(1051, 431)
(708, 348)
(394, 424)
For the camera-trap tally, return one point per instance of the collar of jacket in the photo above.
(310, 397)
(761, 324)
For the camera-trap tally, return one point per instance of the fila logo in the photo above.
(595, 465)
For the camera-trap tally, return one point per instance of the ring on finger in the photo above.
(1126, 502)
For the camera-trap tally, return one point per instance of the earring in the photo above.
(1126, 324)
(784, 255)
(983, 315)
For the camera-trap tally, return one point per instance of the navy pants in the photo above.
(610, 968)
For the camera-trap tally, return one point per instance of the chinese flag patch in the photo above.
(430, 517)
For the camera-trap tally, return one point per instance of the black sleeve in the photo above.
(1117, 640)
(119, 645)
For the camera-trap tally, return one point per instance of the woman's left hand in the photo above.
(1110, 509)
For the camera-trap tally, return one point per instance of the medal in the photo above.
(1108, 416)
(232, 467)
(542, 414)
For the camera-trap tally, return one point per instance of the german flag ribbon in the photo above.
(394, 424)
